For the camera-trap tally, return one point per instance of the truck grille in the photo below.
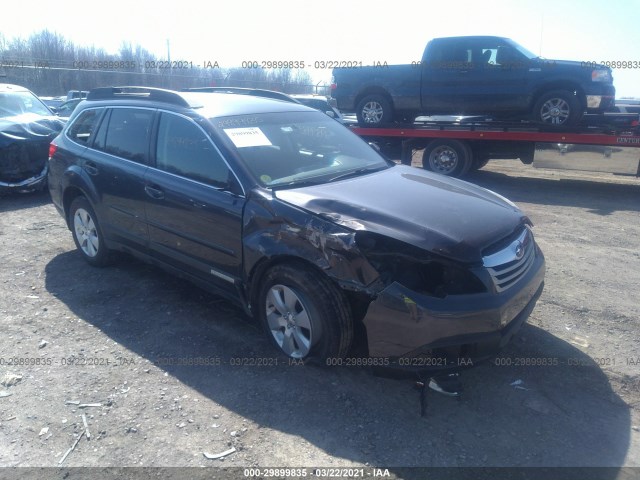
(510, 264)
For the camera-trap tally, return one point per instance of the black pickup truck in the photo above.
(479, 75)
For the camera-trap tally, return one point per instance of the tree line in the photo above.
(50, 65)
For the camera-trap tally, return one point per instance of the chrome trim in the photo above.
(507, 254)
(511, 263)
(221, 275)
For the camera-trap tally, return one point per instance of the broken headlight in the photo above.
(415, 268)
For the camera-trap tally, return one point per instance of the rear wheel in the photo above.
(87, 234)
(558, 108)
(447, 157)
(304, 314)
(374, 110)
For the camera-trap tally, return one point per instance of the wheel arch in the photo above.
(374, 90)
(558, 85)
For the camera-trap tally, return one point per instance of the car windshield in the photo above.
(17, 103)
(294, 148)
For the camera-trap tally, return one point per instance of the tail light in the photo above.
(334, 85)
(52, 149)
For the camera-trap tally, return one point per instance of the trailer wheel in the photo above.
(558, 108)
(374, 110)
(447, 157)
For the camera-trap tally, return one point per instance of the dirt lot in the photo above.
(566, 391)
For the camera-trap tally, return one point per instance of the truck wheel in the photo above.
(304, 314)
(478, 163)
(374, 110)
(447, 157)
(558, 108)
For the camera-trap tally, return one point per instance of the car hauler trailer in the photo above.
(464, 144)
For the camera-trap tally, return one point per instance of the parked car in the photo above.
(479, 75)
(319, 102)
(65, 109)
(278, 207)
(27, 126)
(627, 105)
(53, 102)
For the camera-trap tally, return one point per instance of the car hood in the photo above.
(442, 215)
(28, 126)
(24, 146)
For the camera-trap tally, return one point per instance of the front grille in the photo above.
(510, 264)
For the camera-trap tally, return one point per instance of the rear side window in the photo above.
(126, 134)
(184, 149)
(85, 126)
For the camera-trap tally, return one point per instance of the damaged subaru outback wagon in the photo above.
(279, 208)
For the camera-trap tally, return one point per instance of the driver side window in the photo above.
(184, 149)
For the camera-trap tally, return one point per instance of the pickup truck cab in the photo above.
(479, 75)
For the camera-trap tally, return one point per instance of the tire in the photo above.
(87, 234)
(558, 108)
(374, 110)
(304, 314)
(478, 163)
(447, 157)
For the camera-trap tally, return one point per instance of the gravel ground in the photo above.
(166, 364)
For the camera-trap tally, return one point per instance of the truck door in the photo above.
(497, 80)
(445, 70)
(474, 76)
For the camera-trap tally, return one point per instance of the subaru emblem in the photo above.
(519, 250)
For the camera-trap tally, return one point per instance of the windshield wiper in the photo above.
(294, 184)
(357, 172)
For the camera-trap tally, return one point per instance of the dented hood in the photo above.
(28, 126)
(446, 216)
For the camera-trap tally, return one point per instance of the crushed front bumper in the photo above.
(420, 332)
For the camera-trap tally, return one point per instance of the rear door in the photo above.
(116, 163)
(193, 205)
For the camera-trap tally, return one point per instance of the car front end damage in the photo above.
(437, 315)
(24, 147)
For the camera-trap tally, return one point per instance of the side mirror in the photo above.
(375, 146)
(331, 113)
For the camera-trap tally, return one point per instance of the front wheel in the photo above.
(374, 110)
(86, 232)
(447, 157)
(558, 108)
(304, 314)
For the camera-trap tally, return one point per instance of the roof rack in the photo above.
(138, 93)
(255, 92)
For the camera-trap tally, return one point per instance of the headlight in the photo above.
(416, 269)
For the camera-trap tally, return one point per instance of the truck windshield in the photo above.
(521, 49)
(293, 148)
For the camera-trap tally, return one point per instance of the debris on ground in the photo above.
(86, 405)
(216, 456)
(44, 431)
(71, 449)
(4, 393)
(11, 379)
(86, 426)
(42, 344)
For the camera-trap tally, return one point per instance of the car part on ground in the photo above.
(278, 208)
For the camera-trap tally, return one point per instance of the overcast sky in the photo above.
(230, 32)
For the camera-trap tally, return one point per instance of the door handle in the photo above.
(90, 168)
(197, 204)
(154, 192)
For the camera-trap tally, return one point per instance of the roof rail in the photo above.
(138, 93)
(255, 92)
